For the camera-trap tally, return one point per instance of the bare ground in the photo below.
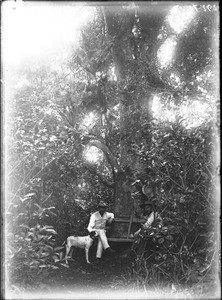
(108, 278)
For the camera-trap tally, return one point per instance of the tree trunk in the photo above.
(123, 205)
(119, 28)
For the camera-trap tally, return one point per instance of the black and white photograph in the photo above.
(110, 150)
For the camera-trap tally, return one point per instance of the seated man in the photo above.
(150, 217)
(98, 222)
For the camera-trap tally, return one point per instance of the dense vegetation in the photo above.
(102, 97)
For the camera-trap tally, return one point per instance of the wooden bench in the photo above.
(127, 238)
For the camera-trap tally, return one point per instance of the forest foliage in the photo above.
(103, 97)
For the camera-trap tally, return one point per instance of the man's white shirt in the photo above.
(99, 222)
(150, 219)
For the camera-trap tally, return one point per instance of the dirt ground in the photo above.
(105, 280)
(102, 276)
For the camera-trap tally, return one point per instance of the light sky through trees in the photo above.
(38, 30)
(59, 30)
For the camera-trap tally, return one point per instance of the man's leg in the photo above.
(133, 249)
(99, 249)
(103, 239)
(105, 244)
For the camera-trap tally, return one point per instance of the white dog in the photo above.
(84, 242)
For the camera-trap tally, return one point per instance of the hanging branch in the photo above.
(109, 156)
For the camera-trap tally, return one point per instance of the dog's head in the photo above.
(93, 234)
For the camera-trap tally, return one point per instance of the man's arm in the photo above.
(91, 223)
(110, 218)
(109, 222)
(149, 221)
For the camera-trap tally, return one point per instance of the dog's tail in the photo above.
(65, 241)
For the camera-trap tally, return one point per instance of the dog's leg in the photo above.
(67, 252)
(87, 255)
(71, 252)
